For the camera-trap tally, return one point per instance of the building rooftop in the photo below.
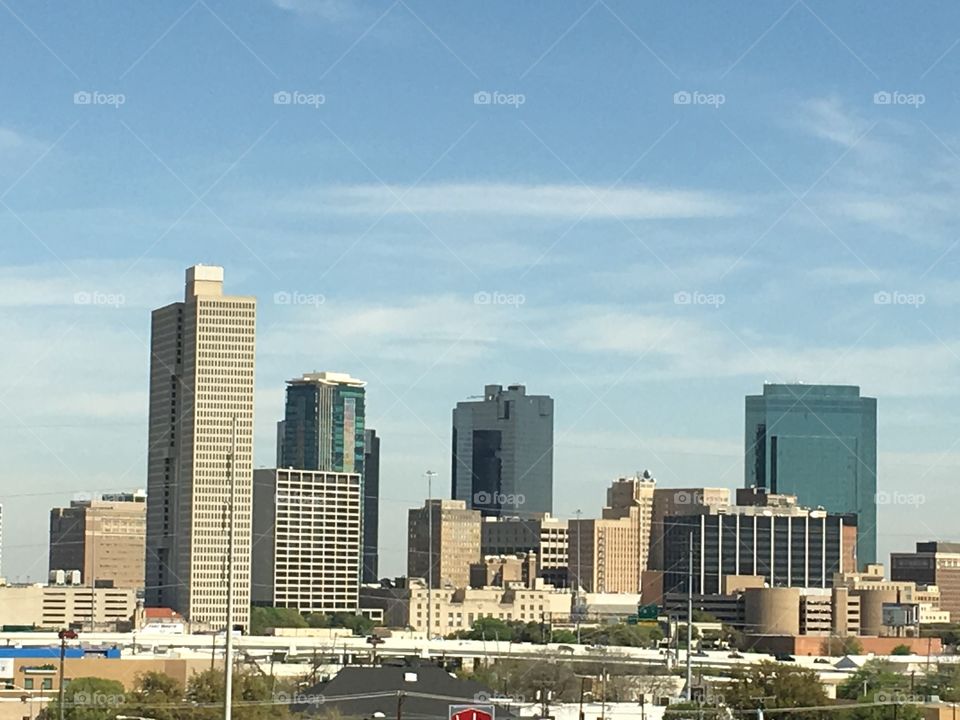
(327, 378)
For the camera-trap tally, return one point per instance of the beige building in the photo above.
(502, 570)
(609, 554)
(56, 607)
(459, 608)
(306, 540)
(201, 382)
(455, 533)
(104, 539)
(544, 535)
(679, 501)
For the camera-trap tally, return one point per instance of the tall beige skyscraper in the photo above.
(455, 533)
(201, 380)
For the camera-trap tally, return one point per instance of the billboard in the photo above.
(471, 712)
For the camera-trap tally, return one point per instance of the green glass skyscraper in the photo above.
(818, 442)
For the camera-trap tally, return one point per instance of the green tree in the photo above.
(357, 624)
(263, 618)
(838, 646)
(877, 687)
(89, 698)
(253, 697)
(563, 636)
(155, 695)
(775, 685)
(901, 650)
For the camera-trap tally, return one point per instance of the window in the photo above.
(28, 684)
(47, 684)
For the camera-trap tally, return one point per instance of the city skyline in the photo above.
(644, 212)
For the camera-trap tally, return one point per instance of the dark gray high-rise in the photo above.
(503, 452)
(371, 504)
(818, 442)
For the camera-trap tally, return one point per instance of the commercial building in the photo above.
(306, 540)
(544, 535)
(201, 389)
(371, 505)
(609, 554)
(933, 563)
(56, 607)
(503, 452)
(769, 536)
(679, 501)
(455, 534)
(504, 570)
(323, 424)
(818, 442)
(104, 539)
(459, 608)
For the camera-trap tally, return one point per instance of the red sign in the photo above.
(471, 712)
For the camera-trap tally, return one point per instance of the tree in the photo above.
(89, 698)
(901, 650)
(253, 698)
(775, 685)
(878, 682)
(155, 695)
(837, 646)
(357, 624)
(563, 636)
(263, 618)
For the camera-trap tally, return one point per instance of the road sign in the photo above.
(471, 712)
(648, 612)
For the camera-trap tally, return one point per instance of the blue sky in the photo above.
(660, 207)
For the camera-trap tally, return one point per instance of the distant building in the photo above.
(609, 555)
(459, 608)
(202, 358)
(323, 424)
(504, 571)
(55, 607)
(818, 442)
(679, 501)
(933, 563)
(545, 536)
(455, 533)
(503, 452)
(371, 505)
(306, 540)
(769, 536)
(104, 539)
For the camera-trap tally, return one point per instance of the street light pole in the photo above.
(64, 636)
(228, 653)
(576, 599)
(690, 617)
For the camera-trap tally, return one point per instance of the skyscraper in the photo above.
(324, 423)
(201, 383)
(503, 452)
(371, 505)
(818, 442)
(443, 539)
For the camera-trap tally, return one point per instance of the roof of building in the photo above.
(371, 690)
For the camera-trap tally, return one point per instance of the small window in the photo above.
(28, 684)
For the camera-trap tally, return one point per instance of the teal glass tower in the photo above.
(818, 442)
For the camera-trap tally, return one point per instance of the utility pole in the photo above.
(228, 654)
(400, 705)
(576, 597)
(689, 693)
(430, 474)
(64, 636)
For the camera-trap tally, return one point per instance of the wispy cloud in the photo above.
(545, 201)
(327, 10)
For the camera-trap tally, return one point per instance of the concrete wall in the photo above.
(772, 611)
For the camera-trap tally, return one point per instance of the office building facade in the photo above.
(104, 539)
(454, 530)
(306, 540)
(545, 536)
(201, 388)
(371, 505)
(502, 460)
(818, 442)
(933, 563)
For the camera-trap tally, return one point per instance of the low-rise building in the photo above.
(544, 535)
(63, 606)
